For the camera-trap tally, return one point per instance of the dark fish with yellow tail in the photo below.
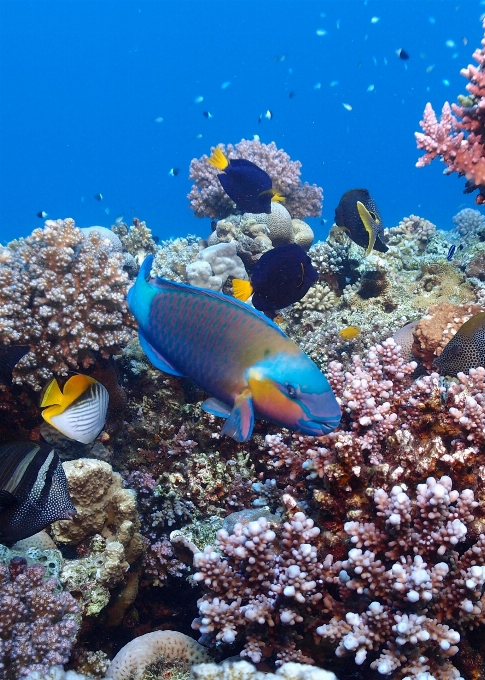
(33, 490)
(10, 356)
(281, 276)
(79, 410)
(465, 350)
(358, 215)
(250, 187)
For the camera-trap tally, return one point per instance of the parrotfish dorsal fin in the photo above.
(52, 395)
(369, 224)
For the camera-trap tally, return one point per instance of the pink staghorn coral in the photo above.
(405, 587)
(259, 582)
(65, 296)
(458, 140)
(37, 623)
(208, 198)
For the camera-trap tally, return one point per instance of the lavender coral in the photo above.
(37, 623)
(64, 295)
(208, 199)
(405, 588)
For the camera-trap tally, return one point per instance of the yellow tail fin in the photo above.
(242, 289)
(369, 225)
(218, 160)
(275, 195)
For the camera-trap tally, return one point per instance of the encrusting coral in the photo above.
(65, 296)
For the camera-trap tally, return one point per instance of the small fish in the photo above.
(250, 187)
(10, 355)
(451, 252)
(430, 68)
(198, 100)
(281, 276)
(225, 84)
(450, 43)
(79, 410)
(317, 86)
(321, 31)
(333, 83)
(246, 363)
(207, 114)
(359, 216)
(371, 88)
(159, 119)
(33, 490)
(464, 40)
(402, 54)
(98, 197)
(465, 350)
(446, 82)
(349, 333)
(375, 20)
(347, 106)
(119, 219)
(198, 136)
(42, 214)
(291, 94)
(173, 172)
(267, 114)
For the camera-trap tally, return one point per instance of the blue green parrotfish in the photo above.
(243, 360)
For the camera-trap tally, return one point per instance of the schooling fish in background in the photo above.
(33, 490)
(245, 362)
(281, 276)
(250, 187)
(465, 350)
(42, 214)
(79, 411)
(359, 216)
(10, 356)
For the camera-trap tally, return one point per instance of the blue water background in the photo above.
(83, 82)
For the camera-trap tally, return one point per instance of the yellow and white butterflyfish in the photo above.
(79, 410)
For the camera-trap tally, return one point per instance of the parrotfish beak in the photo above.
(322, 414)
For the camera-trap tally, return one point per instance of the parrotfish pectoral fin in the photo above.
(240, 423)
(218, 160)
(155, 358)
(216, 407)
(370, 226)
(242, 289)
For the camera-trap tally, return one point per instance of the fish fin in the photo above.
(75, 387)
(242, 289)
(52, 394)
(240, 423)
(218, 160)
(275, 195)
(155, 358)
(216, 407)
(7, 499)
(368, 223)
(278, 198)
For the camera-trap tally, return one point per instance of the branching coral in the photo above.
(63, 295)
(208, 199)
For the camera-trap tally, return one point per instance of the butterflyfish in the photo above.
(250, 187)
(247, 365)
(33, 490)
(465, 350)
(79, 410)
(358, 215)
(281, 276)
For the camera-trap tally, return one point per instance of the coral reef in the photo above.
(208, 198)
(242, 670)
(64, 296)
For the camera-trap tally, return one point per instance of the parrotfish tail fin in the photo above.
(141, 288)
(370, 226)
(242, 289)
(218, 160)
(240, 423)
(52, 394)
(275, 195)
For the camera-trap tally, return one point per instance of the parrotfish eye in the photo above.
(292, 390)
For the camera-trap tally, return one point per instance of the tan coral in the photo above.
(303, 234)
(435, 330)
(318, 299)
(279, 223)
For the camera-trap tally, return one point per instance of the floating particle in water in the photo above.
(375, 20)
(431, 20)
(347, 106)
(317, 86)
(106, 210)
(337, 23)
(159, 119)
(464, 40)
(321, 31)
(198, 136)
(333, 83)
(371, 88)
(445, 82)
(430, 68)
(225, 84)
(450, 43)
(119, 219)
(198, 100)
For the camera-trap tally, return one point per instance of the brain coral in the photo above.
(64, 295)
(208, 198)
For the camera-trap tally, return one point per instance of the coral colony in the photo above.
(356, 554)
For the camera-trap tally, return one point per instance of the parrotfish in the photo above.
(243, 360)
(79, 410)
(466, 349)
(358, 215)
(248, 185)
(33, 490)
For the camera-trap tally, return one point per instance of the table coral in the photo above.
(406, 586)
(208, 198)
(64, 296)
(38, 623)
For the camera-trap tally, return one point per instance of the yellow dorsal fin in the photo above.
(218, 160)
(368, 222)
(242, 289)
(52, 394)
(75, 386)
